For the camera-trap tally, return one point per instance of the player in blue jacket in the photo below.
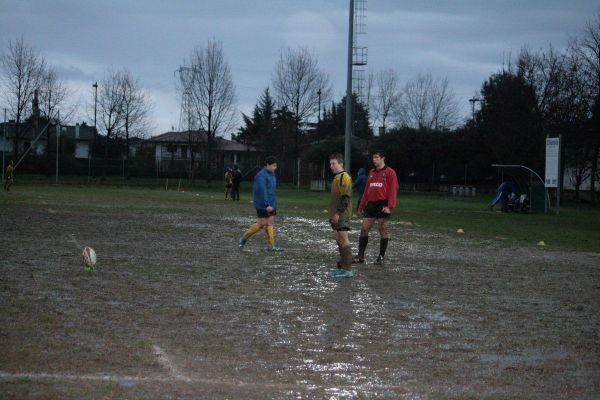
(502, 193)
(265, 202)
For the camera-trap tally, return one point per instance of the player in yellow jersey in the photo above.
(9, 176)
(340, 210)
(228, 183)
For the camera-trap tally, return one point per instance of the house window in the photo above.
(184, 152)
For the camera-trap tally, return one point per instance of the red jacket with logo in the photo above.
(381, 185)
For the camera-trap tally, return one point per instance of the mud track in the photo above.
(176, 310)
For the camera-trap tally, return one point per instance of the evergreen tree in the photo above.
(509, 121)
(333, 122)
(258, 129)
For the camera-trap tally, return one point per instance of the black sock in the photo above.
(383, 246)
(362, 246)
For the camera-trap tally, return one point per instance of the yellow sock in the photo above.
(270, 234)
(251, 231)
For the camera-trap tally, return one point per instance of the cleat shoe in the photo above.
(358, 260)
(88, 268)
(275, 248)
(242, 242)
(342, 273)
(379, 260)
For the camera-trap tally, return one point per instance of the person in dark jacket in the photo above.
(237, 179)
(359, 184)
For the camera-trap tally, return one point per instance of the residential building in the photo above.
(75, 140)
(173, 154)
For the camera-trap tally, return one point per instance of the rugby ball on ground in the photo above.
(89, 257)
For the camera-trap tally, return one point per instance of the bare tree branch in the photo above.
(208, 92)
(427, 103)
(23, 68)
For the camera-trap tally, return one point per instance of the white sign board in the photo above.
(552, 161)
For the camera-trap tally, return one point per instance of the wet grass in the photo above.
(575, 228)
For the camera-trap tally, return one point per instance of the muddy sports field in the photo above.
(176, 310)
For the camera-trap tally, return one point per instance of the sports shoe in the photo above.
(274, 248)
(379, 260)
(342, 273)
(242, 242)
(88, 268)
(358, 260)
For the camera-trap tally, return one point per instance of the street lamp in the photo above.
(472, 101)
(319, 115)
(319, 94)
(95, 86)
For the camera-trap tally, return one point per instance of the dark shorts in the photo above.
(373, 209)
(263, 213)
(228, 185)
(342, 225)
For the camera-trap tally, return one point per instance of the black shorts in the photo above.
(374, 209)
(342, 225)
(228, 185)
(263, 213)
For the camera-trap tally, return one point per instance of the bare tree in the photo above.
(53, 94)
(110, 108)
(136, 111)
(208, 87)
(560, 94)
(428, 103)
(23, 68)
(296, 82)
(370, 100)
(587, 52)
(387, 95)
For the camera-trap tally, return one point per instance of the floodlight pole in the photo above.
(348, 131)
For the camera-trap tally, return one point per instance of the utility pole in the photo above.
(57, 141)
(473, 100)
(90, 150)
(348, 130)
(4, 144)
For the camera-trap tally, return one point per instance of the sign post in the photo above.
(553, 167)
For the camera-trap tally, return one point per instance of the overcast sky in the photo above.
(463, 40)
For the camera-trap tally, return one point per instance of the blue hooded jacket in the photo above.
(263, 190)
(360, 182)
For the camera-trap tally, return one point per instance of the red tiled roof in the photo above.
(179, 137)
(200, 137)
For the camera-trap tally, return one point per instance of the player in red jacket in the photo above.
(377, 203)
